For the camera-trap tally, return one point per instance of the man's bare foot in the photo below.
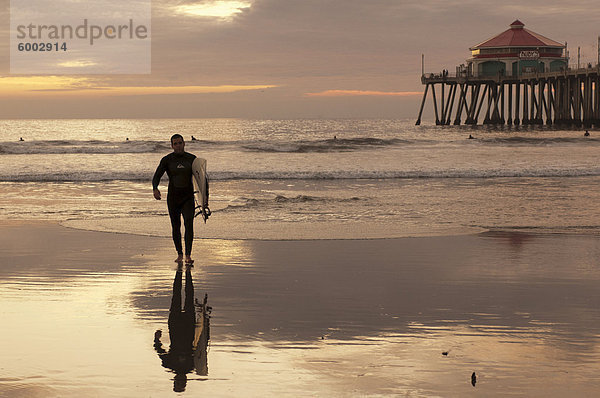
(188, 260)
(179, 259)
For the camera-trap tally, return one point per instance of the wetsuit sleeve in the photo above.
(160, 170)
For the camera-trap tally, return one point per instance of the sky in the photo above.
(280, 59)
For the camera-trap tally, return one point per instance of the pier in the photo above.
(516, 77)
(570, 97)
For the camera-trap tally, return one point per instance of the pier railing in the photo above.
(467, 75)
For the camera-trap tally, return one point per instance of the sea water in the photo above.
(366, 178)
(305, 317)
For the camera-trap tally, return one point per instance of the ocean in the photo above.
(305, 179)
(494, 272)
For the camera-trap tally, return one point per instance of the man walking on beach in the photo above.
(180, 196)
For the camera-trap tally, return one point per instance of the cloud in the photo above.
(186, 89)
(81, 86)
(353, 93)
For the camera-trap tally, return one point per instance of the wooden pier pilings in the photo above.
(570, 97)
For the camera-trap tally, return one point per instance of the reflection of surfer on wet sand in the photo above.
(189, 333)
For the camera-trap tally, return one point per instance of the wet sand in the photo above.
(303, 318)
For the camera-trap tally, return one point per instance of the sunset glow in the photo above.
(77, 64)
(347, 93)
(217, 9)
(62, 85)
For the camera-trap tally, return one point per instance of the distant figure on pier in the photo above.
(586, 134)
(471, 137)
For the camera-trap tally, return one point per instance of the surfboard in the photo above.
(200, 188)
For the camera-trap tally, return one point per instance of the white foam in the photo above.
(232, 228)
(83, 175)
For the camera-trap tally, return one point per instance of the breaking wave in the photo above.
(269, 146)
(249, 203)
(328, 145)
(91, 147)
(97, 176)
(538, 141)
(112, 147)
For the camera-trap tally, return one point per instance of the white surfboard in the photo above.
(200, 187)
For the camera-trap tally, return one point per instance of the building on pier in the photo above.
(516, 51)
(516, 77)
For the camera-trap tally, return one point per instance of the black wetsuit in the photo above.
(180, 197)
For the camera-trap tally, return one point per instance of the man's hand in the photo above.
(156, 194)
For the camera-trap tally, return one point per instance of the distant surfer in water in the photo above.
(180, 196)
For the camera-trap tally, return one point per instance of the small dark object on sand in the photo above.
(473, 379)
(586, 134)
(445, 353)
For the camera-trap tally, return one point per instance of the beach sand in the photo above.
(303, 318)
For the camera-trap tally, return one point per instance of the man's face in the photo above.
(178, 145)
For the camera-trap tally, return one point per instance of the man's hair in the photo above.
(175, 136)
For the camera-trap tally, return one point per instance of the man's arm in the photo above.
(160, 170)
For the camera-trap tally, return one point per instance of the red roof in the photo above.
(517, 36)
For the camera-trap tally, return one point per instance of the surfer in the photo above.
(180, 196)
(21, 139)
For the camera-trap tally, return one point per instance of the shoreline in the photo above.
(231, 228)
(62, 224)
(83, 225)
